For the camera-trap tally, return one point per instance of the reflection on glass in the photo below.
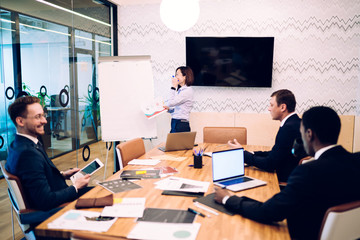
(7, 128)
(58, 51)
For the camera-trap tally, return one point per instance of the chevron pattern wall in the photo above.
(316, 52)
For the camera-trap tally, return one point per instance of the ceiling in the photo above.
(133, 2)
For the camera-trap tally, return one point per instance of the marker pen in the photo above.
(196, 212)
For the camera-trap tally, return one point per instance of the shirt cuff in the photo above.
(75, 189)
(225, 199)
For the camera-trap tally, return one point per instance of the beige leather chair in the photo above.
(129, 150)
(341, 222)
(92, 236)
(224, 134)
(27, 218)
(18, 202)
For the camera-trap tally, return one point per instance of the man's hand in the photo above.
(234, 144)
(220, 194)
(82, 182)
(67, 174)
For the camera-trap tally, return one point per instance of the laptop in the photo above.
(229, 171)
(179, 141)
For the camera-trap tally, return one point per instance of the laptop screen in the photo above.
(228, 163)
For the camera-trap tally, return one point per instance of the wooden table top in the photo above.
(218, 227)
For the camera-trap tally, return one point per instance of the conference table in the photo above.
(221, 226)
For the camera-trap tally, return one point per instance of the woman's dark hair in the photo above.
(188, 73)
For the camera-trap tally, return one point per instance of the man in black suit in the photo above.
(44, 185)
(331, 179)
(280, 158)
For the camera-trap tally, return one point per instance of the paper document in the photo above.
(79, 220)
(153, 109)
(169, 157)
(164, 231)
(182, 184)
(125, 207)
(119, 185)
(208, 154)
(148, 162)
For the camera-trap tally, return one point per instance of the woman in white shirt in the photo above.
(180, 102)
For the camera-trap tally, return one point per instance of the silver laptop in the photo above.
(179, 141)
(229, 171)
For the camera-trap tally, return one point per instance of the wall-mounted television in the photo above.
(231, 61)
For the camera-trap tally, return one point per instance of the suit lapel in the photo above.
(31, 144)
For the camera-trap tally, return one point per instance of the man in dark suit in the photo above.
(44, 185)
(280, 158)
(332, 178)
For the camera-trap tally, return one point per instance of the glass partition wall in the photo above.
(49, 49)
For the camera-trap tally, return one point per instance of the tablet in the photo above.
(90, 168)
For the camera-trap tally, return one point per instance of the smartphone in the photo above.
(90, 168)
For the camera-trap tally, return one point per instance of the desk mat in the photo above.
(167, 216)
(209, 201)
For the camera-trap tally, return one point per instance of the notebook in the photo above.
(229, 171)
(179, 141)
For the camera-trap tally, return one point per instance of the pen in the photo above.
(191, 165)
(196, 212)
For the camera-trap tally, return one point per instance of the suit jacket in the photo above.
(44, 186)
(280, 158)
(312, 188)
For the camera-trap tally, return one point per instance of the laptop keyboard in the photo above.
(235, 181)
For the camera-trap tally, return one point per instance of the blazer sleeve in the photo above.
(281, 151)
(280, 206)
(36, 177)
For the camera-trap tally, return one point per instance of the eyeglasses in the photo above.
(39, 116)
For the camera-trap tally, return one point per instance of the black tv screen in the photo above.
(231, 61)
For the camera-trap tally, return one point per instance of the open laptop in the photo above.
(179, 141)
(229, 171)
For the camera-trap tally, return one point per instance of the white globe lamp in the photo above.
(179, 15)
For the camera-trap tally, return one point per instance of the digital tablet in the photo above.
(90, 168)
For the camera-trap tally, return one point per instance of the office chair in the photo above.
(27, 218)
(129, 150)
(224, 134)
(341, 222)
(92, 236)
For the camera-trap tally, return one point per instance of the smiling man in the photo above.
(280, 158)
(44, 185)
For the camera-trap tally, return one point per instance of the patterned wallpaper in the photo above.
(316, 52)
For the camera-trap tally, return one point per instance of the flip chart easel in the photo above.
(125, 83)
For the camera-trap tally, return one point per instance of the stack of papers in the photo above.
(147, 162)
(169, 157)
(182, 184)
(125, 207)
(77, 220)
(140, 174)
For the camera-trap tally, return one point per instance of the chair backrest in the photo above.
(92, 236)
(224, 134)
(15, 189)
(341, 222)
(130, 150)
